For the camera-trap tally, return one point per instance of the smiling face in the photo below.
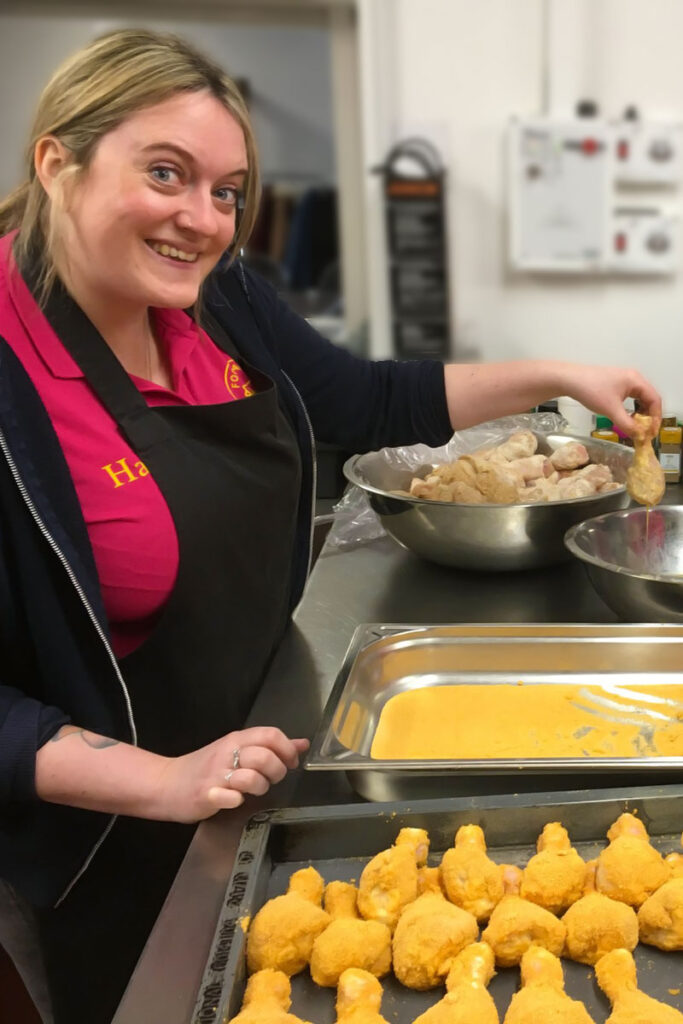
(155, 209)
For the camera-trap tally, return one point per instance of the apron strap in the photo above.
(141, 426)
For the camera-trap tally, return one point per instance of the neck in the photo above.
(128, 331)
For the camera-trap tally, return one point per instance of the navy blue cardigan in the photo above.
(56, 662)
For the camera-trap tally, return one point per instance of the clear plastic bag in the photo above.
(356, 523)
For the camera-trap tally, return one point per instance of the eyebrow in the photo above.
(187, 155)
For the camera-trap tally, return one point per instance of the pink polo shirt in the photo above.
(131, 531)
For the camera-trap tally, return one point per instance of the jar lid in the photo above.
(603, 423)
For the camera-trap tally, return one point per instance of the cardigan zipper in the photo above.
(28, 501)
(314, 462)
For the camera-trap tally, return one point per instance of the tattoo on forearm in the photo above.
(91, 738)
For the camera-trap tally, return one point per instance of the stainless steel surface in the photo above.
(485, 537)
(373, 582)
(383, 661)
(338, 841)
(635, 561)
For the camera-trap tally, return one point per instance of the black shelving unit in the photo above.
(416, 234)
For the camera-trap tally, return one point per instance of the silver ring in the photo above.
(235, 758)
(229, 776)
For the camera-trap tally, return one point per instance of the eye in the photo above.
(228, 195)
(164, 175)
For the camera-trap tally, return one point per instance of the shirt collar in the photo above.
(177, 330)
(46, 343)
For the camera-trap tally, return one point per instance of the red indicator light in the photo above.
(590, 146)
(623, 149)
(620, 241)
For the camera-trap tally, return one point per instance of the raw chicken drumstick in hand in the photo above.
(645, 480)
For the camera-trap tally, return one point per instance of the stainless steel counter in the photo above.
(374, 582)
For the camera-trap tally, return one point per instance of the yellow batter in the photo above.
(545, 720)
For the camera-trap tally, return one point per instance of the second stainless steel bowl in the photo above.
(488, 537)
(635, 561)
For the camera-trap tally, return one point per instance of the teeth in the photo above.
(176, 254)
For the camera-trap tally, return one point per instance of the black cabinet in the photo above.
(416, 236)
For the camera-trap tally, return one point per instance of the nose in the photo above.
(198, 214)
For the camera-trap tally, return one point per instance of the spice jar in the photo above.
(669, 449)
(604, 430)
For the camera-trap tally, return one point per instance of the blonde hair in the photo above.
(91, 93)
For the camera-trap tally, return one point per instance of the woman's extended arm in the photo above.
(477, 392)
(82, 769)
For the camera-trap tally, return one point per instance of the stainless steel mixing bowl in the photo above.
(635, 565)
(488, 537)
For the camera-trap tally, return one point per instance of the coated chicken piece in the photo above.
(629, 869)
(470, 878)
(675, 862)
(429, 880)
(517, 924)
(429, 935)
(511, 877)
(359, 998)
(660, 919)
(467, 1000)
(597, 924)
(498, 483)
(554, 877)
(267, 1000)
(569, 456)
(389, 881)
(283, 931)
(616, 976)
(542, 998)
(645, 477)
(348, 941)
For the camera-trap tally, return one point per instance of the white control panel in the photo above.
(648, 153)
(644, 241)
(559, 175)
(579, 198)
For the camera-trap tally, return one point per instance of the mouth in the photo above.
(170, 252)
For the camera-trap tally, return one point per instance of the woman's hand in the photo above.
(194, 786)
(83, 769)
(476, 392)
(604, 389)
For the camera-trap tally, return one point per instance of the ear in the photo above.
(50, 157)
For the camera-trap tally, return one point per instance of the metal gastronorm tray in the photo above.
(338, 841)
(383, 660)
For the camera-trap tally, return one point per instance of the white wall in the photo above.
(461, 68)
(289, 69)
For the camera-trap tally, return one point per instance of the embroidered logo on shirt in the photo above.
(124, 474)
(235, 381)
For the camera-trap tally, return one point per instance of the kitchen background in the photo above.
(333, 84)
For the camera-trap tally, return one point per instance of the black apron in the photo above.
(230, 475)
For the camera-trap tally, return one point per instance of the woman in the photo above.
(156, 487)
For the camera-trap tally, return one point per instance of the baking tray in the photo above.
(338, 841)
(385, 659)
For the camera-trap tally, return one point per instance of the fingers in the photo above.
(222, 798)
(268, 737)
